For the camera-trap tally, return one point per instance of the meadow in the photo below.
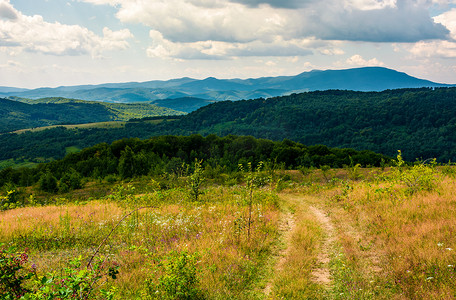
(351, 233)
(109, 124)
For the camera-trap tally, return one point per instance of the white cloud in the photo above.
(224, 29)
(436, 49)
(7, 11)
(192, 21)
(276, 3)
(448, 19)
(440, 49)
(369, 4)
(358, 60)
(279, 47)
(244, 21)
(11, 64)
(443, 2)
(332, 51)
(34, 34)
(407, 21)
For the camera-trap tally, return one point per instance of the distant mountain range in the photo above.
(202, 92)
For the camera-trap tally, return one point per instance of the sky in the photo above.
(50, 43)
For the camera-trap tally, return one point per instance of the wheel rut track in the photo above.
(286, 228)
(322, 273)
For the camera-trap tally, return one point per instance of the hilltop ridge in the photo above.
(356, 79)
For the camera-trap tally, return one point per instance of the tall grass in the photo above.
(393, 237)
(214, 229)
(397, 242)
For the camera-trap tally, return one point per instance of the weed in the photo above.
(9, 201)
(253, 179)
(422, 176)
(354, 171)
(73, 282)
(195, 181)
(178, 279)
(13, 273)
(225, 268)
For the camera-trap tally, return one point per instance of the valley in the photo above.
(310, 195)
(418, 121)
(227, 150)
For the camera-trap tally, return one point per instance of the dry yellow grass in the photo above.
(230, 262)
(387, 243)
(408, 239)
(25, 221)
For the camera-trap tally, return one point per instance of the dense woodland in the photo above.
(420, 122)
(128, 158)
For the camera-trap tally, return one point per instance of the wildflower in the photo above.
(449, 249)
(429, 278)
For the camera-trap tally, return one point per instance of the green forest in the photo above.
(129, 158)
(420, 122)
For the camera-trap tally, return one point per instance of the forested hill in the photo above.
(420, 122)
(160, 155)
(27, 113)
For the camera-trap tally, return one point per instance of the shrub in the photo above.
(422, 176)
(9, 201)
(13, 273)
(178, 279)
(71, 180)
(195, 181)
(48, 183)
(74, 282)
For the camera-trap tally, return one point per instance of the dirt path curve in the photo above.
(286, 228)
(309, 259)
(288, 224)
(322, 274)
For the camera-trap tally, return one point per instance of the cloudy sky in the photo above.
(69, 42)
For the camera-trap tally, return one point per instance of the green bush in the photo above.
(195, 181)
(178, 278)
(9, 201)
(48, 182)
(76, 281)
(421, 176)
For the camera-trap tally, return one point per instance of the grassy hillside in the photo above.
(26, 113)
(319, 234)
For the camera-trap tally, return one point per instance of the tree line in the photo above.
(129, 158)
